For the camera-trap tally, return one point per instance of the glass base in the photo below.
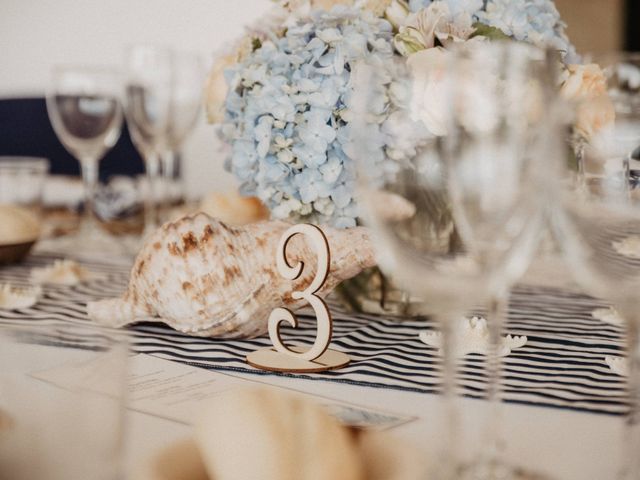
(94, 244)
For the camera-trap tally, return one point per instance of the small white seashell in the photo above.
(12, 298)
(473, 337)
(608, 315)
(629, 247)
(618, 365)
(203, 277)
(62, 272)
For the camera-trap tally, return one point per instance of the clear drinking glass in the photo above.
(597, 222)
(22, 181)
(449, 174)
(62, 404)
(85, 112)
(186, 100)
(148, 106)
(615, 94)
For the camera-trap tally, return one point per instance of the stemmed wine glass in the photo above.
(84, 110)
(148, 112)
(186, 102)
(510, 126)
(459, 138)
(597, 222)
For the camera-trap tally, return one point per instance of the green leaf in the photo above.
(492, 33)
(408, 41)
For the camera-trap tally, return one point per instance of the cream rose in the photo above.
(215, 91)
(587, 86)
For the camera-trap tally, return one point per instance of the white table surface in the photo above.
(565, 444)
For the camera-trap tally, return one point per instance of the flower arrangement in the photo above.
(282, 96)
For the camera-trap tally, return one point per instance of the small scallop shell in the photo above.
(62, 272)
(618, 365)
(12, 298)
(473, 337)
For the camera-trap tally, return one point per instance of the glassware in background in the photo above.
(187, 82)
(22, 181)
(597, 222)
(62, 404)
(85, 112)
(601, 96)
(148, 111)
(468, 165)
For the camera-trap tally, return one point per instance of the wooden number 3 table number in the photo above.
(318, 358)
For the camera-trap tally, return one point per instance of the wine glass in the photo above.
(597, 223)
(148, 112)
(506, 119)
(456, 135)
(85, 112)
(186, 100)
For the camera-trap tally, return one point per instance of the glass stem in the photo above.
(631, 440)
(450, 462)
(89, 171)
(497, 314)
(151, 204)
(168, 174)
(581, 180)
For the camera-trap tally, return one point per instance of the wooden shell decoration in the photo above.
(205, 278)
(317, 358)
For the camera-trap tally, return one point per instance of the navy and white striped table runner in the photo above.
(562, 365)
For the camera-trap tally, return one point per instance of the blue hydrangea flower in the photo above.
(533, 21)
(287, 113)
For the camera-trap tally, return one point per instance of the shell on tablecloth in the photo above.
(62, 272)
(13, 298)
(205, 278)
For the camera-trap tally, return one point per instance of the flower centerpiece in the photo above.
(282, 94)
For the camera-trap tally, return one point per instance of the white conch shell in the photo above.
(12, 298)
(473, 337)
(205, 278)
(62, 272)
